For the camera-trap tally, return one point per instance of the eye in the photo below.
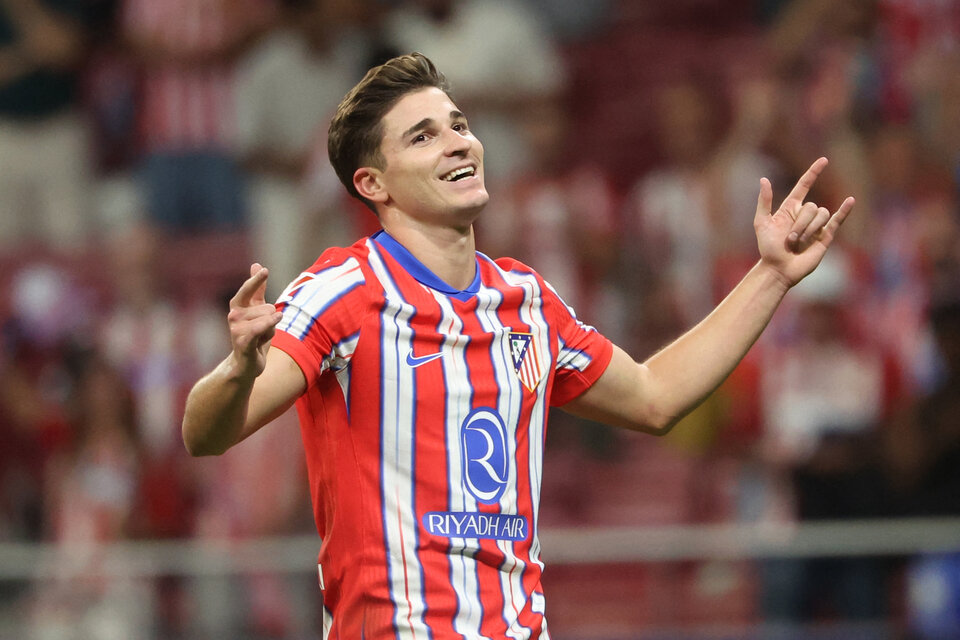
(460, 127)
(420, 137)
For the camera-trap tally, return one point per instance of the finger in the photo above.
(253, 290)
(837, 218)
(802, 220)
(240, 315)
(764, 200)
(253, 332)
(814, 229)
(805, 183)
(267, 336)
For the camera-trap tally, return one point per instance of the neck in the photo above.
(450, 253)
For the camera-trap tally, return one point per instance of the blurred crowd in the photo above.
(149, 151)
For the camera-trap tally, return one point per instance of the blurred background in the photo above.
(151, 149)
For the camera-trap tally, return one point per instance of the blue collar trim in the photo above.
(419, 271)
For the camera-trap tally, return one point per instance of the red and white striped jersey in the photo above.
(424, 423)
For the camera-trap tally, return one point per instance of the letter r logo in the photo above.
(483, 440)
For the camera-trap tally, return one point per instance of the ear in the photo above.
(368, 183)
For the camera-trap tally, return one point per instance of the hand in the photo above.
(794, 238)
(252, 322)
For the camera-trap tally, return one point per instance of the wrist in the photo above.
(240, 369)
(772, 276)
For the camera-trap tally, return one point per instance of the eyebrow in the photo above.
(426, 122)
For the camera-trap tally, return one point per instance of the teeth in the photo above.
(456, 173)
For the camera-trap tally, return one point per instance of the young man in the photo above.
(423, 373)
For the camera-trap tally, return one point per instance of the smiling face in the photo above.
(433, 168)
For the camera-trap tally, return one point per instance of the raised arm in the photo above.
(655, 395)
(252, 386)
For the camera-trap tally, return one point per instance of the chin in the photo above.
(466, 212)
(478, 203)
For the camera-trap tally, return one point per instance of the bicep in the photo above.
(275, 390)
(621, 397)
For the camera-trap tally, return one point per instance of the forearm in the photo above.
(684, 373)
(216, 410)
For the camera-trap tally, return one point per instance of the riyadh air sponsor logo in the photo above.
(488, 526)
(483, 441)
(526, 360)
(419, 361)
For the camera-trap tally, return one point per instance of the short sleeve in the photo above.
(322, 312)
(583, 352)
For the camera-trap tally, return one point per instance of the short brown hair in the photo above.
(356, 131)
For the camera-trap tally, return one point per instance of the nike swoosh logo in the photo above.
(415, 361)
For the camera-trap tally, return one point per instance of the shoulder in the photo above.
(338, 270)
(515, 273)
(509, 268)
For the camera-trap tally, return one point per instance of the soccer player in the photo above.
(423, 372)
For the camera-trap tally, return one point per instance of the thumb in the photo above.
(764, 200)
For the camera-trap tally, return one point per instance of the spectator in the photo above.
(187, 50)
(44, 147)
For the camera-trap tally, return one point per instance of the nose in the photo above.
(456, 142)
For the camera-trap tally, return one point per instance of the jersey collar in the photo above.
(420, 272)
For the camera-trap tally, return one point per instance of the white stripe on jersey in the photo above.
(463, 569)
(312, 293)
(398, 445)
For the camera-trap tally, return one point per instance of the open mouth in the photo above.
(459, 174)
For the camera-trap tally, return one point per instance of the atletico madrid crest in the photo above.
(526, 360)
